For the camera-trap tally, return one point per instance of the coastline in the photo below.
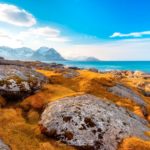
(109, 65)
(28, 88)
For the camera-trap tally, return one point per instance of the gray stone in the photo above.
(70, 73)
(17, 81)
(89, 122)
(1, 58)
(3, 146)
(126, 92)
(93, 70)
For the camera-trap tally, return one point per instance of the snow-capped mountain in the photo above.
(6, 52)
(24, 53)
(46, 54)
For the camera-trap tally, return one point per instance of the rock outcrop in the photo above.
(88, 122)
(70, 73)
(1, 58)
(125, 92)
(93, 69)
(18, 82)
(144, 87)
(3, 146)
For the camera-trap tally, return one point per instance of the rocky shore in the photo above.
(54, 107)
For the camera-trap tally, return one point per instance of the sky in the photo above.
(106, 29)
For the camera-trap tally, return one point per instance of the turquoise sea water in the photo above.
(111, 65)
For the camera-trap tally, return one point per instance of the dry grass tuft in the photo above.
(134, 143)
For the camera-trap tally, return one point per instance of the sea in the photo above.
(110, 65)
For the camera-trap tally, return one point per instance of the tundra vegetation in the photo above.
(27, 94)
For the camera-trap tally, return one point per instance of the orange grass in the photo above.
(134, 143)
(19, 123)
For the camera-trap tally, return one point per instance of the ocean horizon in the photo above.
(109, 65)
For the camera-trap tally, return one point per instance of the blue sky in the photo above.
(107, 29)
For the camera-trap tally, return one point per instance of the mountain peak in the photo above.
(46, 54)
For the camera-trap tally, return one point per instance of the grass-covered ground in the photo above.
(19, 120)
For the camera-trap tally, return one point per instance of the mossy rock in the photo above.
(17, 82)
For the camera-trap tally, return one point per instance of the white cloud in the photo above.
(43, 34)
(132, 34)
(13, 15)
(41, 31)
(32, 37)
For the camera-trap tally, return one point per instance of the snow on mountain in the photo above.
(24, 53)
(47, 54)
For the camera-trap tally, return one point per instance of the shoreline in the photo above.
(28, 88)
(59, 63)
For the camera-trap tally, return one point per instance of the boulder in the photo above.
(3, 146)
(144, 87)
(138, 74)
(93, 70)
(1, 58)
(122, 74)
(89, 123)
(70, 73)
(125, 92)
(146, 76)
(18, 82)
(74, 68)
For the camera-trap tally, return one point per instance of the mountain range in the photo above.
(24, 53)
(41, 54)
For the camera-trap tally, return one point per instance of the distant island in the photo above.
(84, 59)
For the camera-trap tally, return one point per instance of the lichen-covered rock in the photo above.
(144, 87)
(122, 74)
(3, 146)
(70, 73)
(89, 122)
(138, 74)
(126, 92)
(93, 69)
(17, 81)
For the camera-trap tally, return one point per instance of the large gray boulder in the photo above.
(88, 122)
(3, 146)
(18, 82)
(126, 92)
